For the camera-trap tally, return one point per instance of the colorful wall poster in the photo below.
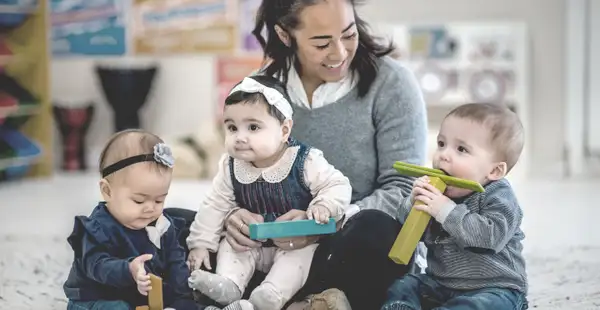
(184, 26)
(230, 70)
(88, 27)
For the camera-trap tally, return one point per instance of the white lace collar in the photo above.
(246, 173)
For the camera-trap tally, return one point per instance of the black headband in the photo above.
(162, 155)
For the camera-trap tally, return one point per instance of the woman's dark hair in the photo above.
(269, 81)
(285, 14)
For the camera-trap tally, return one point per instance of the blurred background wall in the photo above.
(554, 87)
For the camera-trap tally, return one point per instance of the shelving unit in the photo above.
(462, 62)
(26, 123)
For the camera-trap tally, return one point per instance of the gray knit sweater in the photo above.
(363, 137)
(478, 245)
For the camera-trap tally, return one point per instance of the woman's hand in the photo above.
(294, 243)
(237, 231)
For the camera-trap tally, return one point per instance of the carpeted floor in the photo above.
(562, 246)
(32, 277)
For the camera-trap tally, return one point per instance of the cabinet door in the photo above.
(592, 109)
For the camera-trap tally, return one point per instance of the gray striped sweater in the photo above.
(478, 244)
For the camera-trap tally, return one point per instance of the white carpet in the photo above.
(562, 245)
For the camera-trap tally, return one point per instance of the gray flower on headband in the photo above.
(163, 155)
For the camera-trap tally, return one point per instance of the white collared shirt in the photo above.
(325, 94)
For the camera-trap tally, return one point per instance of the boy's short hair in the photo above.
(127, 143)
(506, 129)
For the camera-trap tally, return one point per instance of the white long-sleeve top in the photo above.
(328, 186)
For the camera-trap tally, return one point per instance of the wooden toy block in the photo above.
(412, 230)
(155, 296)
(285, 229)
(417, 221)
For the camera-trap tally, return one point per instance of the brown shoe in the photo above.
(331, 299)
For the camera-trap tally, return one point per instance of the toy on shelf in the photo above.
(155, 296)
(197, 154)
(17, 151)
(285, 229)
(6, 54)
(17, 154)
(126, 90)
(13, 13)
(25, 114)
(8, 106)
(73, 124)
(416, 222)
(27, 104)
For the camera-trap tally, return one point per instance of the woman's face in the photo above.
(327, 40)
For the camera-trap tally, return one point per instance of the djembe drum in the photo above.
(126, 91)
(73, 124)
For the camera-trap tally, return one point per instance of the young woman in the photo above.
(364, 111)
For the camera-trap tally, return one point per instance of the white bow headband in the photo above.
(274, 97)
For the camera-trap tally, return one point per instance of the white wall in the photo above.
(582, 110)
(180, 101)
(593, 100)
(185, 89)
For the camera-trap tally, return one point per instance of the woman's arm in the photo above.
(400, 119)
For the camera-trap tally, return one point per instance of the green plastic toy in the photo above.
(417, 221)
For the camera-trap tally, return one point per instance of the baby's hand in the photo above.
(417, 185)
(138, 271)
(319, 213)
(197, 258)
(432, 198)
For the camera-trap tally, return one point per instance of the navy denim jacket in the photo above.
(103, 249)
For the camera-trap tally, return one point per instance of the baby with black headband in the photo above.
(127, 236)
(271, 175)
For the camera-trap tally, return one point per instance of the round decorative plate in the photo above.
(487, 86)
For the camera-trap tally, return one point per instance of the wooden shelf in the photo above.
(29, 66)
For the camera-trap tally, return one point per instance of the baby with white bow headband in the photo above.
(271, 177)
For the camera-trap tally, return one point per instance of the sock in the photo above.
(267, 297)
(240, 305)
(236, 305)
(215, 287)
